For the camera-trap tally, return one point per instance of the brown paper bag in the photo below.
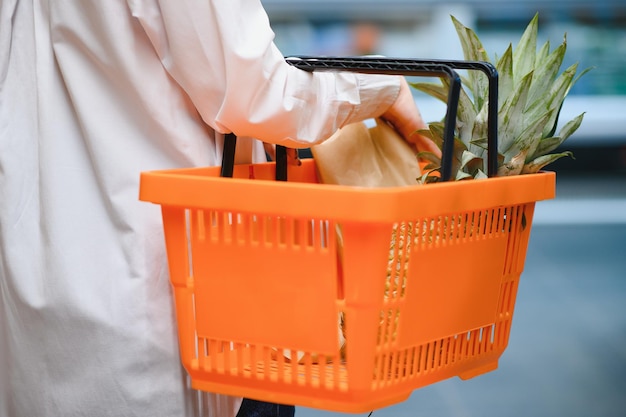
(367, 157)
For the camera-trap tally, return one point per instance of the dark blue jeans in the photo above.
(254, 408)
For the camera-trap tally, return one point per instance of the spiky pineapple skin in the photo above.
(531, 93)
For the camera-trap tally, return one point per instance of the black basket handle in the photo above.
(228, 155)
(228, 158)
(407, 67)
(425, 67)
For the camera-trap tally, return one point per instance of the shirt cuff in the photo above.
(377, 93)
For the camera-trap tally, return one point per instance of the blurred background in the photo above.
(567, 351)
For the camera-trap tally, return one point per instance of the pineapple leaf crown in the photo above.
(531, 92)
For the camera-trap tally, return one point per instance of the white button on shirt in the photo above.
(91, 94)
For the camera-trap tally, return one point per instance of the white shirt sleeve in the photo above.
(221, 52)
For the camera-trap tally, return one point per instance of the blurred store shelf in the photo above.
(394, 9)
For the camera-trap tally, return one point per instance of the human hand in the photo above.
(405, 117)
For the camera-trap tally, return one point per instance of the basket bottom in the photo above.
(325, 385)
(488, 367)
(346, 404)
(340, 399)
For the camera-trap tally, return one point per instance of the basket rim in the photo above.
(203, 188)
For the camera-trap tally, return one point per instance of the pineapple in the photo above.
(530, 95)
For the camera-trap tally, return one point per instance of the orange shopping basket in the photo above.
(343, 298)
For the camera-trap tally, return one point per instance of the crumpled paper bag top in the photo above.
(359, 155)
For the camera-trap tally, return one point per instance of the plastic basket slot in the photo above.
(393, 366)
(246, 228)
(271, 365)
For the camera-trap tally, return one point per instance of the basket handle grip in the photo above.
(425, 67)
(410, 67)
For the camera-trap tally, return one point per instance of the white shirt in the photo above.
(91, 94)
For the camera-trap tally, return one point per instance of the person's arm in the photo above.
(221, 52)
